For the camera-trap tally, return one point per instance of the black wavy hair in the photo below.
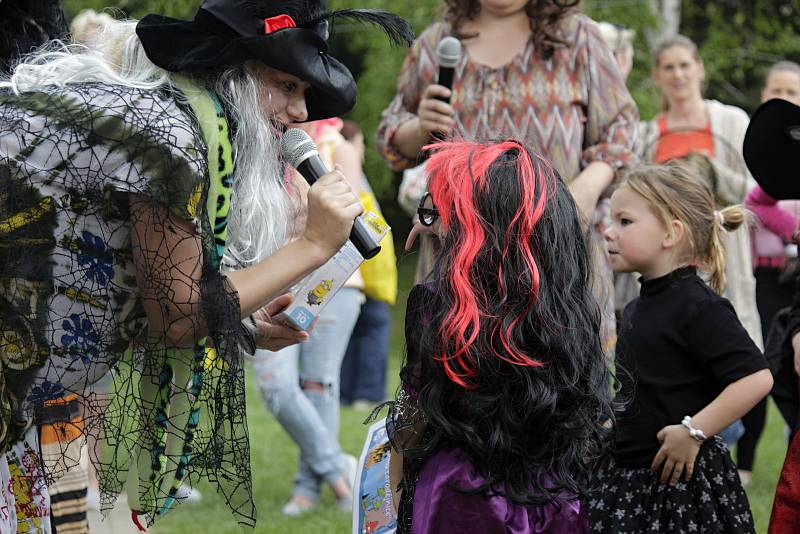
(522, 387)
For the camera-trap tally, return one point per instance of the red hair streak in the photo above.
(459, 173)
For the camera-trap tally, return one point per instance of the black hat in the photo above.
(772, 148)
(288, 35)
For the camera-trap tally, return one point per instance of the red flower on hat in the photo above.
(278, 22)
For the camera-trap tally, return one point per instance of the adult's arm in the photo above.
(167, 253)
(612, 121)
(399, 137)
(774, 218)
(587, 187)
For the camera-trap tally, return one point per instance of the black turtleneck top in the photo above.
(680, 344)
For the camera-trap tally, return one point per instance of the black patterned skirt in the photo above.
(633, 501)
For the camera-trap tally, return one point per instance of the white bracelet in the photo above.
(696, 433)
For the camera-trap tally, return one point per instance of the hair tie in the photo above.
(719, 217)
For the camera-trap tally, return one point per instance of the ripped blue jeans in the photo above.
(310, 414)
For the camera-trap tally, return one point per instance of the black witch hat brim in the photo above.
(298, 51)
(772, 148)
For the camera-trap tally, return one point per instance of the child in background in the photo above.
(498, 424)
(688, 367)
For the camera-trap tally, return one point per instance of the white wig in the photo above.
(261, 209)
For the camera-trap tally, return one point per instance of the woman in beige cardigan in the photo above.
(710, 133)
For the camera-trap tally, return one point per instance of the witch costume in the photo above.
(72, 300)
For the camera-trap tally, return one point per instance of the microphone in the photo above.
(300, 152)
(448, 52)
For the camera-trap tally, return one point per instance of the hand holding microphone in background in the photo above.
(435, 112)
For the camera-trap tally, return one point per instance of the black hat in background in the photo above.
(772, 148)
(288, 35)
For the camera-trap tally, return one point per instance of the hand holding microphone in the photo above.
(333, 207)
(435, 112)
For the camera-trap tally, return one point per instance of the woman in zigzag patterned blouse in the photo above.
(554, 86)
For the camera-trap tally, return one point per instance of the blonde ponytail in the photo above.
(728, 219)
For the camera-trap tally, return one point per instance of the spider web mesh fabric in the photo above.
(72, 311)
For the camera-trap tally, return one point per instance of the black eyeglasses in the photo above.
(427, 216)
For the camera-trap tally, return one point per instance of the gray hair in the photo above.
(260, 218)
(117, 58)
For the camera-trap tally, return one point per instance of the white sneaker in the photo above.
(296, 507)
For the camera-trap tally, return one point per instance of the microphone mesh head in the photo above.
(296, 146)
(448, 52)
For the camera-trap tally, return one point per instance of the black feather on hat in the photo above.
(288, 35)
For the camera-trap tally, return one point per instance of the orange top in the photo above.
(63, 431)
(679, 144)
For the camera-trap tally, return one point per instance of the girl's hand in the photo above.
(332, 208)
(678, 452)
(435, 115)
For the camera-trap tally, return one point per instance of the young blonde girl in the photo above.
(686, 367)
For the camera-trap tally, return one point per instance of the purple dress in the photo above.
(440, 507)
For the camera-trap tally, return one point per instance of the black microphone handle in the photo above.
(360, 235)
(445, 79)
(311, 169)
(363, 239)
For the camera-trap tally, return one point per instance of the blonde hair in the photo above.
(680, 41)
(676, 191)
(618, 38)
(87, 24)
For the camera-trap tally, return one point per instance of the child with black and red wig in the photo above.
(499, 420)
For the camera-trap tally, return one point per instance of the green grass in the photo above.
(274, 461)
